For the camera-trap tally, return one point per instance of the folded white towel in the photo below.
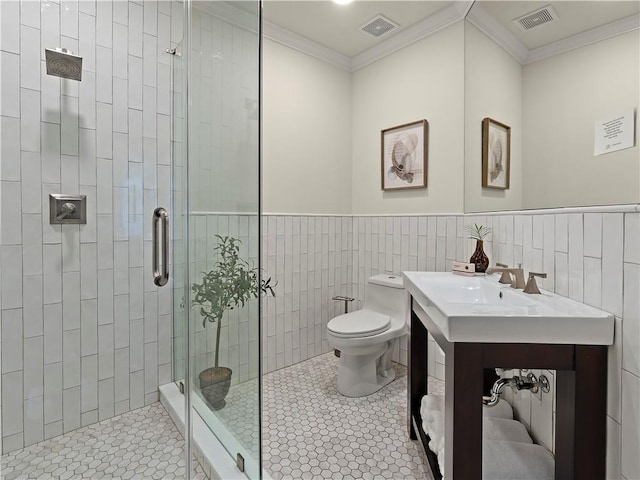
(504, 429)
(516, 461)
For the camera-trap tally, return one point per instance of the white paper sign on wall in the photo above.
(614, 133)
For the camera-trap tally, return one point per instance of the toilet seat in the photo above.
(361, 323)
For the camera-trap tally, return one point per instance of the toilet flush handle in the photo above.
(344, 299)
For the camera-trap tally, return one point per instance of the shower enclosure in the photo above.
(149, 110)
(216, 196)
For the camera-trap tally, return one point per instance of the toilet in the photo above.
(366, 337)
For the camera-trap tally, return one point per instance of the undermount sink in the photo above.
(479, 309)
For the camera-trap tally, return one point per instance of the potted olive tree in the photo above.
(230, 284)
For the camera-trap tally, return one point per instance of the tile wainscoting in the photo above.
(591, 255)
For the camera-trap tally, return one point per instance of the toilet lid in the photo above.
(361, 323)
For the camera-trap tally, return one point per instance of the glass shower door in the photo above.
(216, 237)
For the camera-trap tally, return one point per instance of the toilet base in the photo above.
(365, 373)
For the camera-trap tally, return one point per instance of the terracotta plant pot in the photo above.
(214, 385)
(479, 258)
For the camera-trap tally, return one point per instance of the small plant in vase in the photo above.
(230, 284)
(479, 258)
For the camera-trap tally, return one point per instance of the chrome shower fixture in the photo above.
(63, 63)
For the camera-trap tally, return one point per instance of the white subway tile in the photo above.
(631, 236)
(71, 249)
(120, 42)
(135, 135)
(104, 201)
(149, 60)
(121, 375)
(136, 288)
(32, 310)
(69, 17)
(11, 218)
(121, 321)
(150, 17)
(87, 163)
(29, 58)
(12, 404)
(52, 273)
(135, 82)
(30, 13)
(593, 235)
(151, 317)
(11, 271)
(630, 445)
(136, 389)
(71, 301)
(538, 231)
(105, 351)
(120, 109)
(612, 270)
(89, 418)
(10, 86)
(11, 342)
(613, 448)
(88, 233)
(104, 74)
(33, 420)
(87, 101)
(69, 123)
(104, 17)
(105, 242)
(149, 112)
(53, 334)
(89, 327)
(121, 17)
(136, 344)
(69, 172)
(136, 243)
(105, 296)
(50, 140)
(70, 359)
(87, 41)
(32, 244)
(71, 409)
(10, 27)
(151, 367)
(53, 392)
(135, 29)
(631, 319)
(53, 429)
(10, 147)
(120, 214)
(576, 260)
(163, 126)
(121, 268)
(33, 367)
(104, 130)
(592, 282)
(29, 120)
(88, 271)
(120, 160)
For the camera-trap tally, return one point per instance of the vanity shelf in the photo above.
(581, 396)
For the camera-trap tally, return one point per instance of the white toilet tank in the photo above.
(385, 294)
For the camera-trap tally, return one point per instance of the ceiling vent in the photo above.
(379, 26)
(535, 19)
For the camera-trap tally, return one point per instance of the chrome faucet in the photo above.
(532, 286)
(518, 275)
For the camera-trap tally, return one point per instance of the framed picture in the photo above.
(404, 156)
(496, 154)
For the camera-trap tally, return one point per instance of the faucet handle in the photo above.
(532, 286)
(506, 276)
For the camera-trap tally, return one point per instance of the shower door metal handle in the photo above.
(160, 217)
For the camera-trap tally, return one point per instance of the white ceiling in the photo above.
(337, 27)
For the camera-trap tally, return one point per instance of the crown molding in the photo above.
(594, 35)
(304, 45)
(488, 25)
(441, 19)
(229, 13)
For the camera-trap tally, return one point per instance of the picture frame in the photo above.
(496, 154)
(404, 156)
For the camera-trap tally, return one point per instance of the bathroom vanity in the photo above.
(480, 324)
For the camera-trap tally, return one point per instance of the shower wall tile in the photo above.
(83, 286)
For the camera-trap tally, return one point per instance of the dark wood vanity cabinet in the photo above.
(581, 399)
